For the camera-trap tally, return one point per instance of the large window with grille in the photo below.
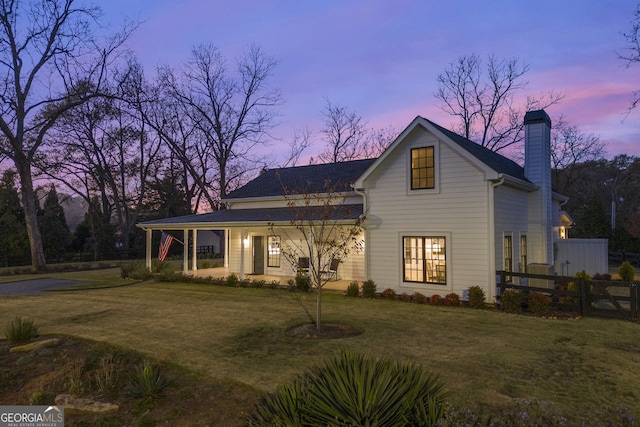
(423, 171)
(273, 251)
(424, 259)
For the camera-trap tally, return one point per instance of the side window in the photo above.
(523, 254)
(508, 253)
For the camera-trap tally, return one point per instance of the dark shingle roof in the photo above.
(495, 161)
(303, 179)
(265, 215)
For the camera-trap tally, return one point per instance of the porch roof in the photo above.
(256, 217)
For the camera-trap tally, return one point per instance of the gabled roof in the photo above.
(309, 179)
(261, 216)
(495, 161)
(482, 156)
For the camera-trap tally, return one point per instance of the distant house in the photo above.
(441, 213)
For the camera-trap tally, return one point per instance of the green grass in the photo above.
(486, 358)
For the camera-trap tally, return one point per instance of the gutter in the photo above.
(492, 238)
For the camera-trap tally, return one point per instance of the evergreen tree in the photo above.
(95, 234)
(14, 241)
(56, 236)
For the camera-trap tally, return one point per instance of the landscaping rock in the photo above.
(80, 405)
(35, 345)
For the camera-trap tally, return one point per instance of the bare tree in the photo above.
(49, 63)
(232, 113)
(300, 142)
(569, 148)
(484, 103)
(329, 231)
(344, 132)
(631, 55)
(347, 136)
(103, 147)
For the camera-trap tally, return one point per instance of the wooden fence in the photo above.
(597, 298)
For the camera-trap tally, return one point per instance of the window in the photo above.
(425, 260)
(423, 174)
(523, 254)
(508, 253)
(273, 258)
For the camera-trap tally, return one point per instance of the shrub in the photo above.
(42, 398)
(259, 283)
(573, 286)
(353, 290)
(21, 330)
(436, 300)
(405, 297)
(170, 276)
(106, 375)
(303, 282)
(354, 389)
(147, 384)
(162, 267)
(273, 284)
(452, 299)
(135, 270)
(389, 294)
(206, 264)
(232, 280)
(538, 303)
(627, 272)
(476, 297)
(512, 301)
(369, 289)
(418, 298)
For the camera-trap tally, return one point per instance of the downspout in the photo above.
(363, 194)
(492, 238)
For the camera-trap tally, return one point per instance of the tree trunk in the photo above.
(319, 309)
(30, 208)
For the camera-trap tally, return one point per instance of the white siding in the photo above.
(458, 209)
(351, 268)
(511, 218)
(574, 255)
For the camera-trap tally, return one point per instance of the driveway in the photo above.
(35, 286)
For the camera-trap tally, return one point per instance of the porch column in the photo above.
(194, 251)
(148, 249)
(185, 255)
(227, 241)
(242, 254)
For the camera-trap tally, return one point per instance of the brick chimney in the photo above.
(537, 168)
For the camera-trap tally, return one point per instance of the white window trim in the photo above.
(426, 287)
(436, 166)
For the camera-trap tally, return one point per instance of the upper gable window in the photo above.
(423, 171)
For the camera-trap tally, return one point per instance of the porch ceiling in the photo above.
(256, 217)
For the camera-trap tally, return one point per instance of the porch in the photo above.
(333, 285)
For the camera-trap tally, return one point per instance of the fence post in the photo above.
(633, 304)
(583, 297)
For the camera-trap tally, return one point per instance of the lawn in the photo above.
(587, 367)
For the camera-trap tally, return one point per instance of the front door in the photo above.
(258, 255)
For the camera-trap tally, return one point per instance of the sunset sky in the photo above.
(381, 58)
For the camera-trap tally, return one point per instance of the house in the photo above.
(441, 213)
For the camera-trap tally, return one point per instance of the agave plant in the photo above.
(356, 390)
(148, 384)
